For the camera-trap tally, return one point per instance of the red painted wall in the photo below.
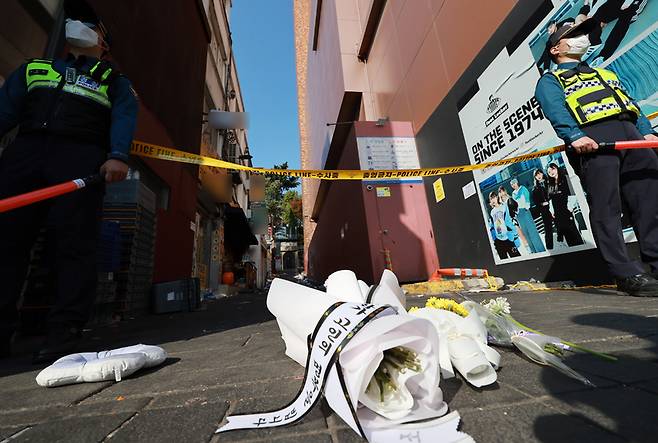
(174, 240)
(162, 50)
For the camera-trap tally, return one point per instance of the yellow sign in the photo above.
(439, 192)
(383, 191)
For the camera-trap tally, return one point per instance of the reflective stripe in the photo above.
(80, 91)
(106, 75)
(589, 84)
(595, 95)
(41, 84)
(51, 78)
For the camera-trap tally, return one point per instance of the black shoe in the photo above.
(640, 285)
(61, 340)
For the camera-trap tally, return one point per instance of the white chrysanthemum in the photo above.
(499, 305)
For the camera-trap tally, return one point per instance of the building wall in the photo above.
(155, 47)
(302, 25)
(426, 57)
(420, 50)
(163, 51)
(460, 231)
(21, 37)
(341, 240)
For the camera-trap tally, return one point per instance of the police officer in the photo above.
(587, 106)
(76, 117)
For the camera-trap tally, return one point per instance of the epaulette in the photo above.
(101, 69)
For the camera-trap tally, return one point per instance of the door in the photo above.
(403, 227)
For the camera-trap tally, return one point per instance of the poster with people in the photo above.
(538, 208)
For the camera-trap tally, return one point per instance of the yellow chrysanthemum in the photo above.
(413, 309)
(447, 305)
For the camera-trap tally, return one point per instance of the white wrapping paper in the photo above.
(463, 346)
(298, 310)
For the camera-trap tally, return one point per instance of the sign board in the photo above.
(258, 217)
(377, 153)
(215, 180)
(257, 188)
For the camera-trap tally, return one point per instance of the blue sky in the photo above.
(263, 41)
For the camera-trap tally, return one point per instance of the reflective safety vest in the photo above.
(75, 103)
(593, 94)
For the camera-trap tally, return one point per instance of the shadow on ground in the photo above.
(624, 406)
(216, 316)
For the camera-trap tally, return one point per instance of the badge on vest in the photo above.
(88, 83)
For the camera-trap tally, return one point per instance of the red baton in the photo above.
(619, 146)
(50, 192)
(630, 144)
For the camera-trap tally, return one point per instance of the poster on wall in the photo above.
(538, 208)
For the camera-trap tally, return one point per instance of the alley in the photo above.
(229, 357)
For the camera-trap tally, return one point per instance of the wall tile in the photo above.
(464, 27)
(412, 26)
(427, 82)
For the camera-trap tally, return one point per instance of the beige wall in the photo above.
(420, 50)
(325, 83)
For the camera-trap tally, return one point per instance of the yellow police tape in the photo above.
(149, 150)
(143, 149)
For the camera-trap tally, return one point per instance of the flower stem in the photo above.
(602, 355)
(396, 360)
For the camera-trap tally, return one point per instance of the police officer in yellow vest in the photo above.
(587, 106)
(76, 117)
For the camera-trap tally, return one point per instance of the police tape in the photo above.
(149, 150)
(143, 149)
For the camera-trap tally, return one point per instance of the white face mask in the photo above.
(80, 35)
(578, 45)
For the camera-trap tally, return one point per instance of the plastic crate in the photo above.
(176, 296)
(131, 191)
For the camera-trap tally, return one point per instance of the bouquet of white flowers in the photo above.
(378, 365)
(463, 341)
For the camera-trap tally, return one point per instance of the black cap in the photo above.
(569, 30)
(81, 10)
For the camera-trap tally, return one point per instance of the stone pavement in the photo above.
(229, 358)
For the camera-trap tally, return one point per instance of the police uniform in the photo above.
(583, 101)
(73, 115)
